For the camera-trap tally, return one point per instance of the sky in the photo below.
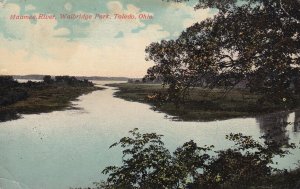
(95, 47)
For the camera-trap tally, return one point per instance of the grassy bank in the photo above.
(202, 105)
(41, 98)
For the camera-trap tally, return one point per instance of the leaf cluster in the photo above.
(147, 163)
(250, 42)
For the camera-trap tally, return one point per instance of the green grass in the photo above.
(202, 104)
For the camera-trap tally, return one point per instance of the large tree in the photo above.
(255, 42)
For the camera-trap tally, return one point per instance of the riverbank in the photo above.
(202, 105)
(40, 97)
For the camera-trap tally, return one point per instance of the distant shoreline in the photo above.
(100, 78)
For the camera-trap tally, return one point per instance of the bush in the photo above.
(148, 164)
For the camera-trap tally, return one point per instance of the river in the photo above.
(70, 148)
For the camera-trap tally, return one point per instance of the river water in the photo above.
(70, 148)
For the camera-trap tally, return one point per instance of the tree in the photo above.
(251, 41)
(7, 81)
(148, 164)
(245, 164)
(47, 79)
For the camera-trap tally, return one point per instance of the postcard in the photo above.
(149, 94)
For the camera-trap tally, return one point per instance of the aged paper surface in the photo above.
(57, 134)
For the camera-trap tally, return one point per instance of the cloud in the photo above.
(196, 16)
(102, 32)
(38, 51)
(125, 57)
(115, 6)
(29, 7)
(34, 36)
(178, 16)
(68, 6)
(3, 3)
(44, 46)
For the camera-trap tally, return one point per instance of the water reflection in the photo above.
(297, 121)
(273, 126)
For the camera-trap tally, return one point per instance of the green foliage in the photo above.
(148, 164)
(7, 81)
(48, 79)
(243, 165)
(10, 91)
(37, 97)
(254, 42)
(72, 81)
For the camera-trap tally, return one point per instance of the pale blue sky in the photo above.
(95, 47)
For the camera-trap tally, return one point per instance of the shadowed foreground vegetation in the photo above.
(38, 97)
(203, 104)
(148, 164)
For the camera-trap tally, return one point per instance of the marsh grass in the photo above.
(203, 104)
